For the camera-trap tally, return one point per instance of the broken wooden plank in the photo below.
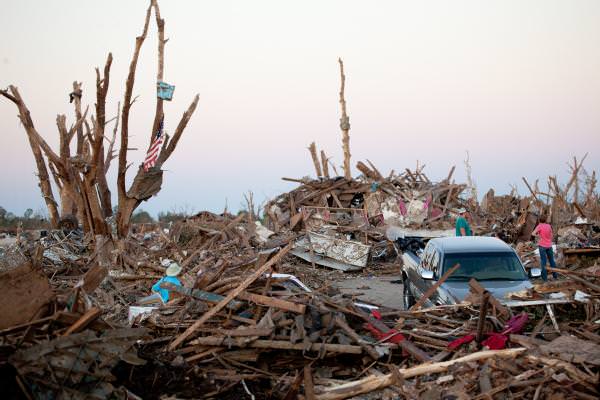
(309, 389)
(201, 295)
(576, 278)
(276, 344)
(273, 302)
(478, 290)
(245, 332)
(409, 347)
(86, 319)
(485, 298)
(355, 336)
(434, 287)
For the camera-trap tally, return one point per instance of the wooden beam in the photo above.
(272, 302)
(309, 389)
(356, 337)
(406, 345)
(478, 290)
(213, 311)
(433, 288)
(276, 344)
(568, 273)
(86, 319)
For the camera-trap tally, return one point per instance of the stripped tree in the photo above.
(81, 178)
(344, 123)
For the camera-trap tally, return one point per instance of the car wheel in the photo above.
(409, 299)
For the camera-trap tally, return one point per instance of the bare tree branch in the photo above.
(126, 107)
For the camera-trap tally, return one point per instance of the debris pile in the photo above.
(248, 311)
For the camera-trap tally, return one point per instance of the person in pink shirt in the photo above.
(544, 232)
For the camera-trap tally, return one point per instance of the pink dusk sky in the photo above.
(516, 83)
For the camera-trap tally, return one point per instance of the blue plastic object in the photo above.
(165, 91)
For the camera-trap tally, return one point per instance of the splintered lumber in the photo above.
(478, 290)
(276, 344)
(375, 382)
(409, 347)
(485, 298)
(200, 295)
(309, 389)
(272, 302)
(246, 332)
(367, 171)
(356, 337)
(86, 319)
(213, 311)
(568, 273)
(94, 277)
(433, 288)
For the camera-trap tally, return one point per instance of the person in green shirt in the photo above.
(462, 225)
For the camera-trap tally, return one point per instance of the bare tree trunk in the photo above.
(81, 179)
(146, 183)
(44, 179)
(345, 124)
(126, 206)
(99, 169)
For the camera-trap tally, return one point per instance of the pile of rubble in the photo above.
(253, 312)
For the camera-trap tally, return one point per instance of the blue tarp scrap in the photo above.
(164, 91)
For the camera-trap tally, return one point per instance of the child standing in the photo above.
(544, 232)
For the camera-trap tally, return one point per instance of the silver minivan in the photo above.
(493, 263)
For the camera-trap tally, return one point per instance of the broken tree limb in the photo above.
(315, 158)
(530, 189)
(374, 382)
(247, 282)
(324, 164)
(42, 171)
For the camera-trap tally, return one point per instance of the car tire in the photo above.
(409, 299)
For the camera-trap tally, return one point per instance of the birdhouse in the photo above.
(165, 91)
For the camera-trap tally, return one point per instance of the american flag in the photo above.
(154, 150)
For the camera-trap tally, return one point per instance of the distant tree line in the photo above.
(38, 220)
(29, 220)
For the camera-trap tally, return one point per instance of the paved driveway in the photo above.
(378, 290)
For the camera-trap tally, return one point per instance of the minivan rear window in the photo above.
(485, 266)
